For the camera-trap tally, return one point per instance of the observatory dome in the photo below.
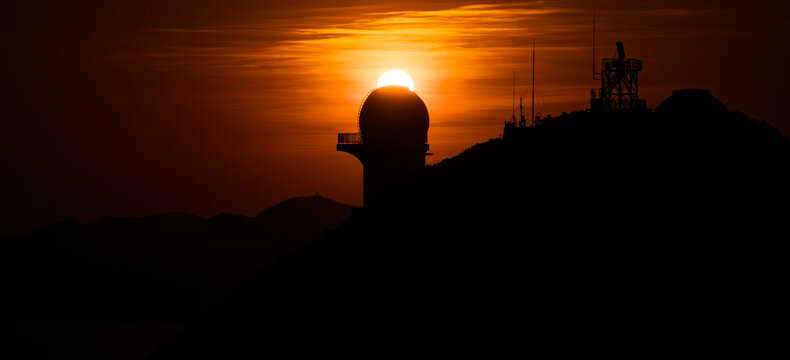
(690, 102)
(393, 114)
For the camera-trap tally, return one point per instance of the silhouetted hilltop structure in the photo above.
(619, 90)
(691, 103)
(392, 141)
(393, 114)
(591, 232)
(119, 287)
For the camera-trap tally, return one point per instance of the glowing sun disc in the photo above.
(395, 77)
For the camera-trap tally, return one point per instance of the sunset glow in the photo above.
(395, 77)
(234, 108)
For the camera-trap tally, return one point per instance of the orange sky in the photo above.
(130, 108)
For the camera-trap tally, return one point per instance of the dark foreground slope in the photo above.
(119, 287)
(632, 234)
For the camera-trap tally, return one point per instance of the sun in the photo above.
(396, 77)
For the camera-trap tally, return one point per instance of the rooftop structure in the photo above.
(392, 139)
(619, 91)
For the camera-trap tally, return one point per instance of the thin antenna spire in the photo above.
(533, 81)
(514, 95)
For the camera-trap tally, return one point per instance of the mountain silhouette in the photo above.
(634, 233)
(119, 287)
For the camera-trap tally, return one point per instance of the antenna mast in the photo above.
(533, 81)
(514, 96)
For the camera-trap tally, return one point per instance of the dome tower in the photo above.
(392, 138)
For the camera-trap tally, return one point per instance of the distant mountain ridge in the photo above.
(148, 277)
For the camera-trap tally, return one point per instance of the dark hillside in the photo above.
(119, 287)
(634, 233)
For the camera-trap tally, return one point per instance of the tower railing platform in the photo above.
(349, 138)
(625, 64)
(356, 139)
